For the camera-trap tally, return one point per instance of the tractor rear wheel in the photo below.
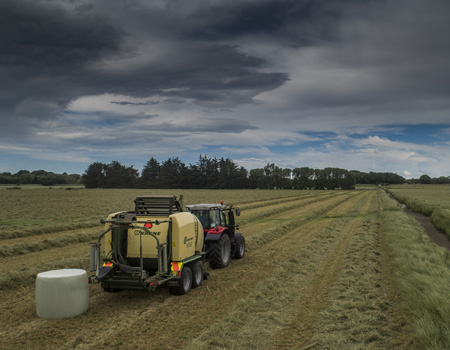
(197, 274)
(239, 248)
(184, 283)
(220, 254)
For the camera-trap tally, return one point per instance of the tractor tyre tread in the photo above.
(239, 250)
(220, 253)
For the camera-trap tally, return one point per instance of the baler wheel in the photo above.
(184, 283)
(197, 274)
(106, 288)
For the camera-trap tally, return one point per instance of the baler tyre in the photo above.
(197, 274)
(239, 250)
(220, 252)
(184, 283)
(107, 288)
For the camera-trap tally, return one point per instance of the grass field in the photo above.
(323, 270)
(430, 200)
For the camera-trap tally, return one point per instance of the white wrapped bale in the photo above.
(62, 293)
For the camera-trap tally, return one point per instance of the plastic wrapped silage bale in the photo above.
(62, 293)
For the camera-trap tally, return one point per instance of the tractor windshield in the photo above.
(208, 218)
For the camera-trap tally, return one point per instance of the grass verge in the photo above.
(423, 273)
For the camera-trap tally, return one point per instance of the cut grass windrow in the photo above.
(266, 203)
(42, 244)
(304, 328)
(14, 278)
(276, 231)
(27, 277)
(305, 265)
(147, 314)
(229, 285)
(362, 311)
(282, 207)
(272, 307)
(40, 230)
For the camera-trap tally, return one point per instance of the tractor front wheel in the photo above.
(220, 253)
(184, 283)
(239, 248)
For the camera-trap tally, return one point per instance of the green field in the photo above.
(323, 270)
(430, 200)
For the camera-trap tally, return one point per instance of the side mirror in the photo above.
(238, 212)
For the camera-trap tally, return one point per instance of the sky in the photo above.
(354, 84)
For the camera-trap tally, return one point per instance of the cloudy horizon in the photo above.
(360, 85)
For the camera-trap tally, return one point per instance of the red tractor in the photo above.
(222, 242)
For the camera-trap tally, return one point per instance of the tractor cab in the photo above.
(221, 239)
(214, 217)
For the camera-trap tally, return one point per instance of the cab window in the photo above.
(223, 219)
(214, 218)
(203, 216)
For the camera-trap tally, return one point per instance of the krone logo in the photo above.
(187, 239)
(144, 232)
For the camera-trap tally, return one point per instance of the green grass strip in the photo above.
(423, 271)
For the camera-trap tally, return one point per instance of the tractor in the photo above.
(221, 241)
(157, 243)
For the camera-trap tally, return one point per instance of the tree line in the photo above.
(214, 173)
(39, 177)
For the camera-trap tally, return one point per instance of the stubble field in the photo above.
(323, 270)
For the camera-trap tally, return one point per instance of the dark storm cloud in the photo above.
(352, 57)
(44, 51)
(297, 23)
(126, 103)
(54, 51)
(49, 40)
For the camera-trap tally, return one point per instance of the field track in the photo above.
(316, 275)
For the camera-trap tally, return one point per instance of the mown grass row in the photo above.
(32, 212)
(38, 245)
(64, 239)
(38, 228)
(358, 304)
(255, 320)
(28, 232)
(423, 273)
(15, 278)
(274, 232)
(265, 203)
(298, 202)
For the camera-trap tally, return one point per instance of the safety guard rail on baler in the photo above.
(161, 251)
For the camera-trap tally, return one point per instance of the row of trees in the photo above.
(377, 178)
(426, 180)
(213, 173)
(39, 177)
(172, 173)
